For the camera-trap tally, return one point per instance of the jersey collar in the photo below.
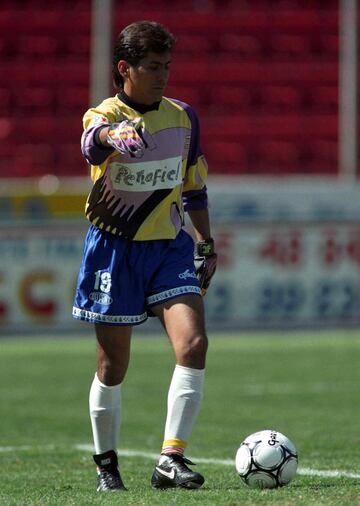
(141, 108)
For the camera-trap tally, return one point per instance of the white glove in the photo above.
(126, 138)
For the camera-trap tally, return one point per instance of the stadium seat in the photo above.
(70, 161)
(41, 73)
(275, 157)
(73, 99)
(289, 47)
(225, 157)
(7, 48)
(193, 45)
(250, 73)
(288, 127)
(258, 73)
(7, 130)
(329, 45)
(5, 102)
(76, 46)
(280, 98)
(324, 99)
(324, 153)
(34, 160)
(188, 94)
(37, 100)
(229, 98)
(37, 46)
(54, 128)
(243, 46)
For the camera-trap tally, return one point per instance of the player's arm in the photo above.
(102, 135)
(201, 223)
(205, 255)
(125, 136)
(195, 202)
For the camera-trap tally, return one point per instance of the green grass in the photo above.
(303, 384)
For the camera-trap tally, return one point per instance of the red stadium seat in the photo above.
(191, 45)
(262, 75)
(280, 98)
(289, 47)
(7, 130)
(33, 160)
(73, 99)
(70, 161)
(250, 73)
(37, 100)
(277, 157)
(75, 46)
(6, 100)
(324, 99)
(324, 153)
(41, 73)
(282, 127)
(189, 94)
(329, 44)
(243, 46)
(231, 98)
(37, 46)
(47, 21)
(225, 157)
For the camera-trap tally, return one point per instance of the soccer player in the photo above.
(147, 168)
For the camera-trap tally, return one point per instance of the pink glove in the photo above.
(125, 137)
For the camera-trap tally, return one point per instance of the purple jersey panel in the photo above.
(92, 150)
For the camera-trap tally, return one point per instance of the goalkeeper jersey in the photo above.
(143, 198)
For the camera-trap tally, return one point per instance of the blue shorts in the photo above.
(120, 280)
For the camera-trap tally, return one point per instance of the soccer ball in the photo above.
(266, 459)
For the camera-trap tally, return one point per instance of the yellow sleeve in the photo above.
(106, 112)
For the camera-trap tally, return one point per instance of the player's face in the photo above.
(146, 82)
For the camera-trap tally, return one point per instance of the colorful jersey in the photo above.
(144, 198)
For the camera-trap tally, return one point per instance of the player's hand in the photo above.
(205, 263)
(126, 138)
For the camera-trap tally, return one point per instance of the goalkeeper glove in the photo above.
(205, 263)
(125, 137)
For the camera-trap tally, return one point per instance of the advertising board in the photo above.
(270, 275)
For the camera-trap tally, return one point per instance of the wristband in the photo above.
(205, 248)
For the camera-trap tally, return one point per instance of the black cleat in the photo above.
(171, 471)
(109, 479)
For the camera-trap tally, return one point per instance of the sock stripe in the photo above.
(179, 443)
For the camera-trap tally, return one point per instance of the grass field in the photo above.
(305, 385)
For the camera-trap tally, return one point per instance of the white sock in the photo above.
(105, 415)
(184, 401)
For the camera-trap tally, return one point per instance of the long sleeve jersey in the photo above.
(144, 198)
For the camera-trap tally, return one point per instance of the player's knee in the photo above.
(194, 351)
(110, 374)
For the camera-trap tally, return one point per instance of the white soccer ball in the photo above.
(266, 459)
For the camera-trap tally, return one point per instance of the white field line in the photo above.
(303, 471)
(22, 448)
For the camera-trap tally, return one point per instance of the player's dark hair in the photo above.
(136, 40)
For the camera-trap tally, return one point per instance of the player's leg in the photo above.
(112, 359)
(113, 307)
(183, 319)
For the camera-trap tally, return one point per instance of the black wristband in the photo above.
(97, 137)
(205, 248)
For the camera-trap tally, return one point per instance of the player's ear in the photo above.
(123, 68)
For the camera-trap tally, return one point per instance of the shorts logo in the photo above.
(101, 298)
(187, 274)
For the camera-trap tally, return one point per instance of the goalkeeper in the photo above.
(147, 168)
